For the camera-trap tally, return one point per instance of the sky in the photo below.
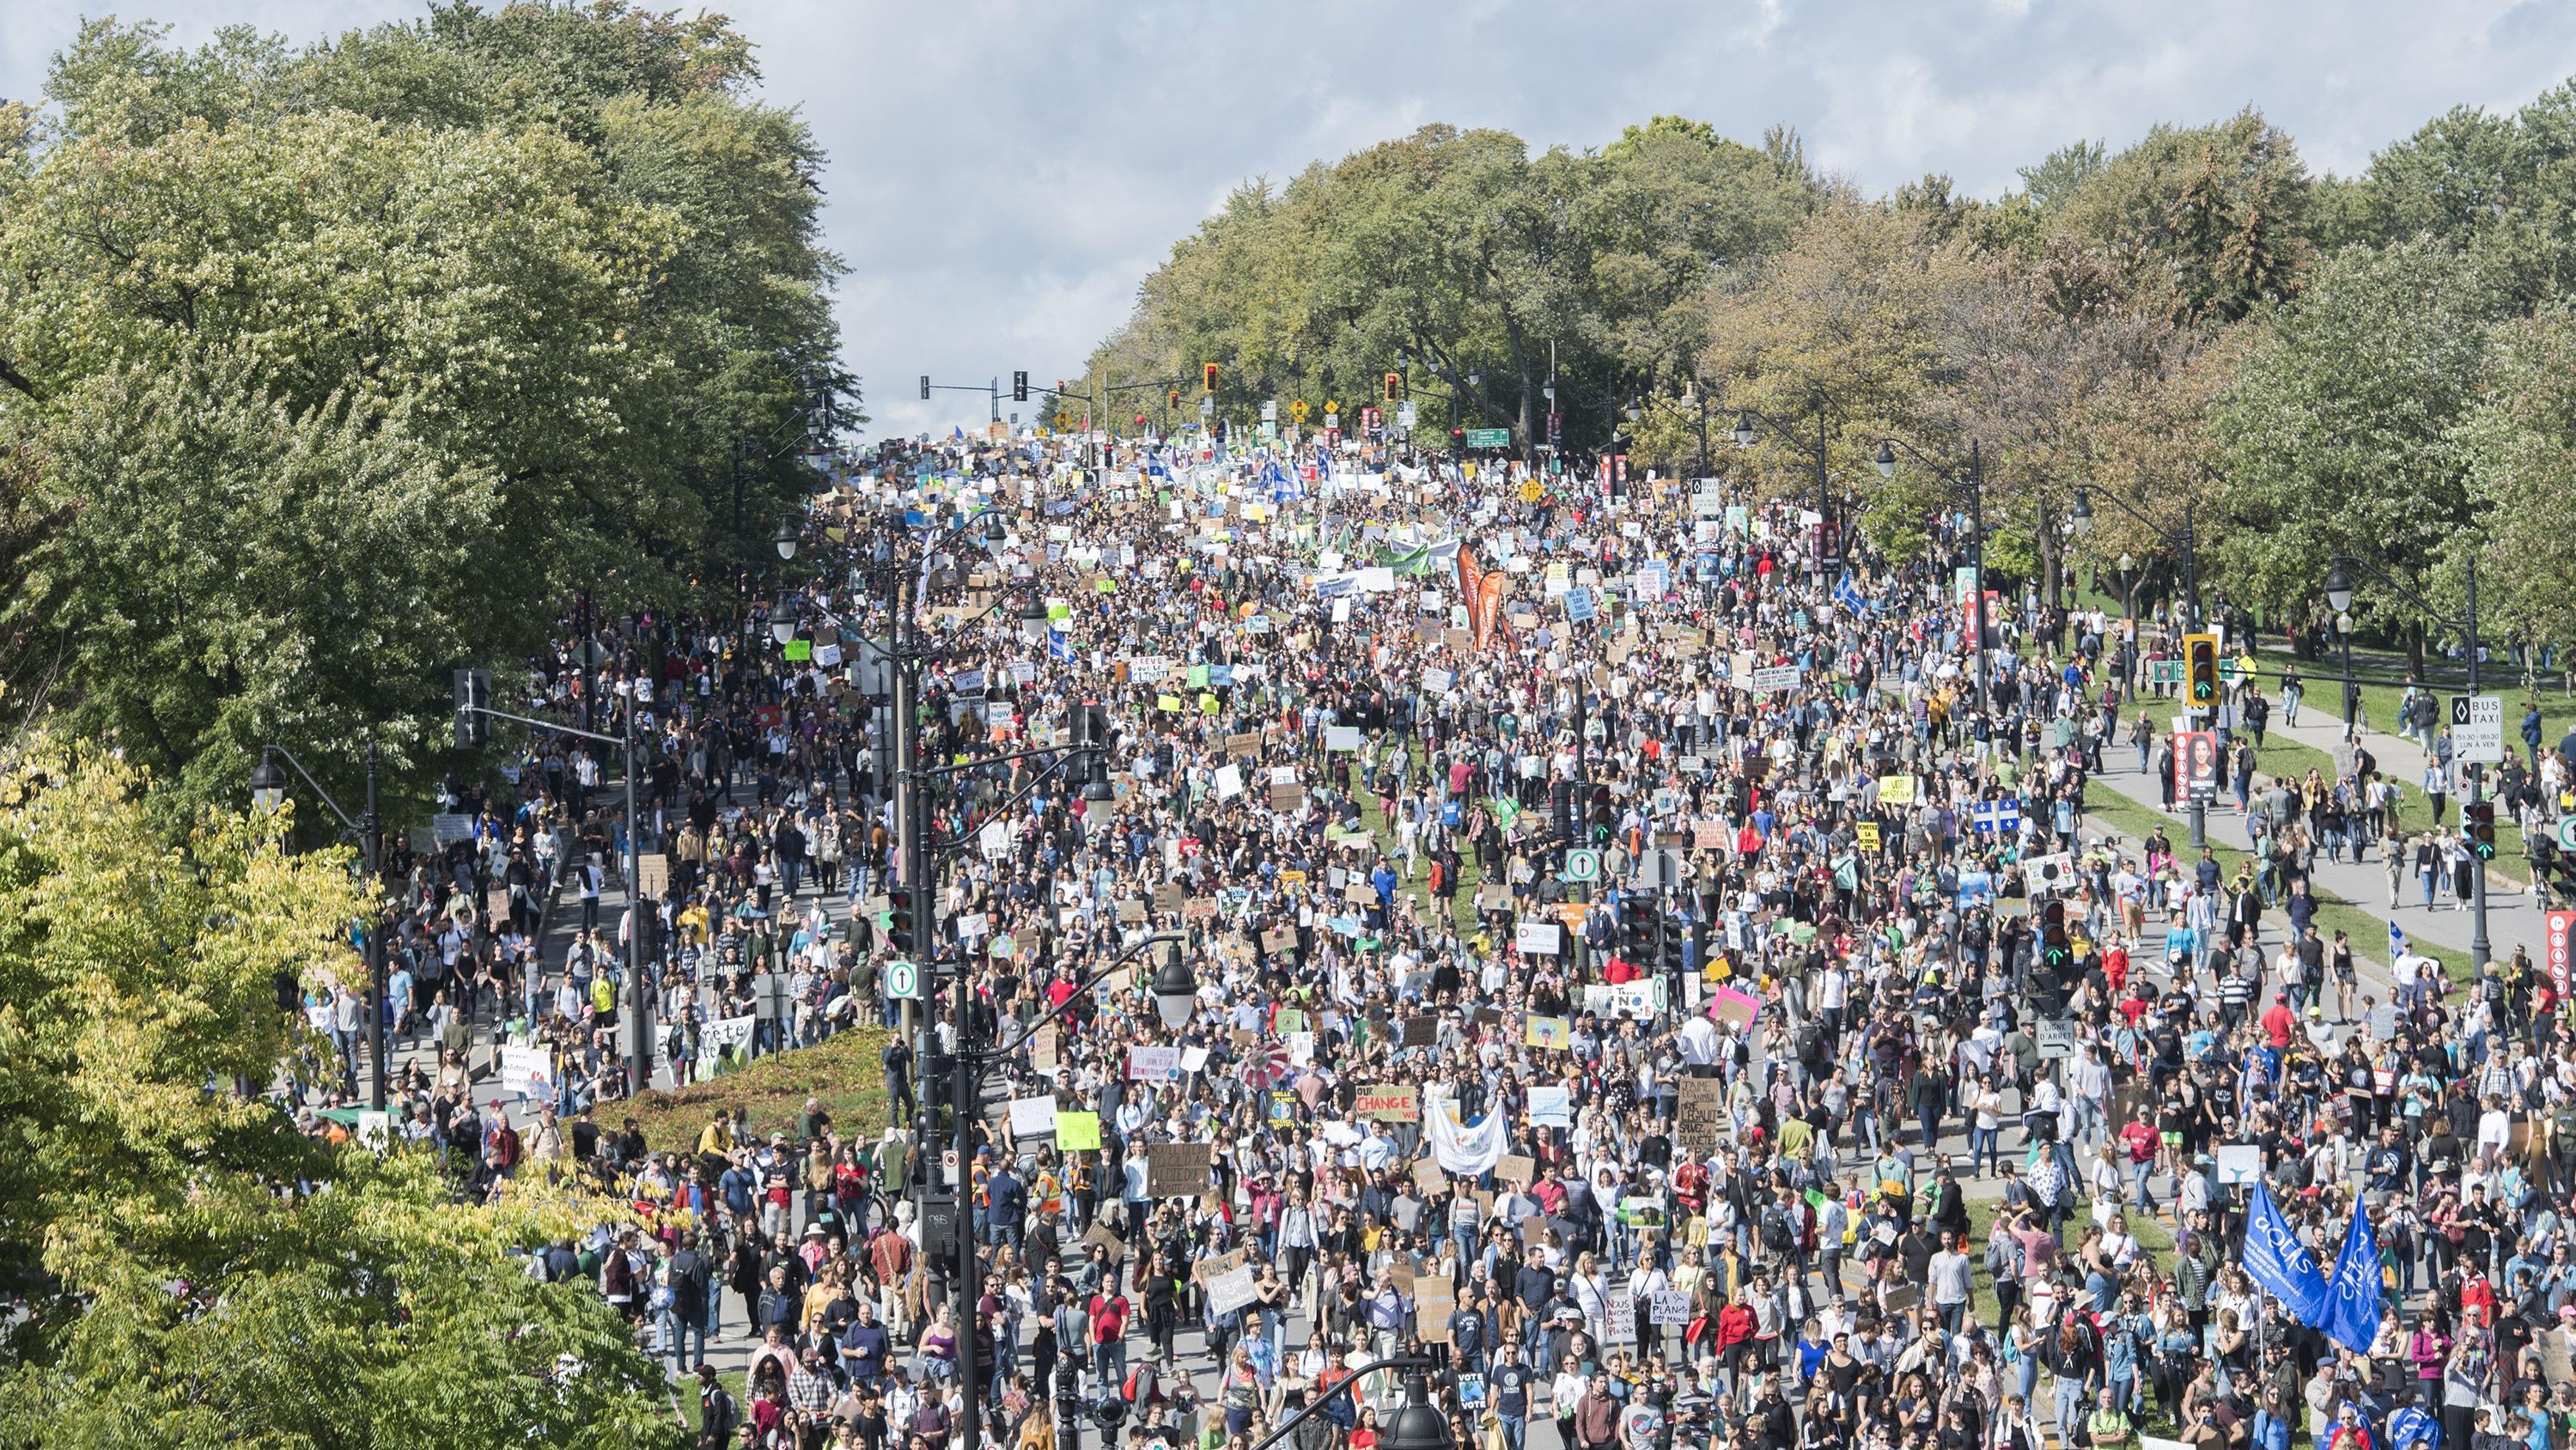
(1002, 175)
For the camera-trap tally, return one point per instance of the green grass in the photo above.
(1471, 873)
(2369, 932)
(2324, 679)
(845, 1071)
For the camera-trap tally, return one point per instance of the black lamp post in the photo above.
(267, 793)
(2081, 518)
(786, 538)
(1745, 418)
(1416, 1426)
(2339, 599)
(1976, 481)
(2339, 580)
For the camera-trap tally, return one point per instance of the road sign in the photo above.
(902, 982)
(2477, 729)
(1581, 866)
(1531, 491)
(2562, 925)
(1489, 438)
(2567, 833)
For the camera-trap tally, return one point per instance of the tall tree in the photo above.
(2338, 437)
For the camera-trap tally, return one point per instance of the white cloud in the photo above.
(1005, 171)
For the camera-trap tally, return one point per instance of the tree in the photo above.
(2519, 447)
(557, 256)
(185, 1283)
(2337, 439)
(1839, 334)
(2223, 206)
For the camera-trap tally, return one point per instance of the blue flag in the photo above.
(2396, 941)
(2279, 1262)
(2352, 1311)
(2411, 1426)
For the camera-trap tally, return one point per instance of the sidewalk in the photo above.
(2512, 915)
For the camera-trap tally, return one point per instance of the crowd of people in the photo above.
(1646, 970)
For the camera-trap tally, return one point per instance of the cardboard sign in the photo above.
(1234, 1289)
(1421, 1031)
(653, 874)
(1699, 1120)
(1176, 1170)
(1514, 1168)
(1669, 1309)
(1430, 1177)
(1734, 1006)
(1279, 941)
(1101, 1237)
(1167, 898)
(1867, 835)
(1433, 1302)
(1390, 1104)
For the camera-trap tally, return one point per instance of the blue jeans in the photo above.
(1515, 1431)
(2138, 1183)
(676, 1334)
(1985, 1150)
(2070, 1408)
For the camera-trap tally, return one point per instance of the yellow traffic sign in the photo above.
(1297, 410)
(1530, 491)
(1332, 407)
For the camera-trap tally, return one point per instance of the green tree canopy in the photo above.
(544, 264)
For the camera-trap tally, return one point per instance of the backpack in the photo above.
(1777, 1236)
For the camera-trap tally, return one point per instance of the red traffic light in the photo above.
(1207, 377)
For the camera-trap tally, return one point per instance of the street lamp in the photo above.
(1744, 430)
(785, 538)
(2081, 519)
(782, 627)
(2339, 582)
(1976, 481)
(1417, 1426)
(267, 793)
(1176, 989)
(267, 784)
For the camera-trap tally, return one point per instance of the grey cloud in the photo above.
(1004, 173)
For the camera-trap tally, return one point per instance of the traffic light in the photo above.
(1089, 770)
(1637, 932)
(1394, 385)
(1207, 379)
(2482, 836)
(1560, 802)
(473, 697)
(1672, 946)
(925, 387)
(902, 921)
(1175, 398)
(1020, 387)
(2200, 670)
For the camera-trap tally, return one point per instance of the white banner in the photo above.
(724, 1033)
(1536, 937)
